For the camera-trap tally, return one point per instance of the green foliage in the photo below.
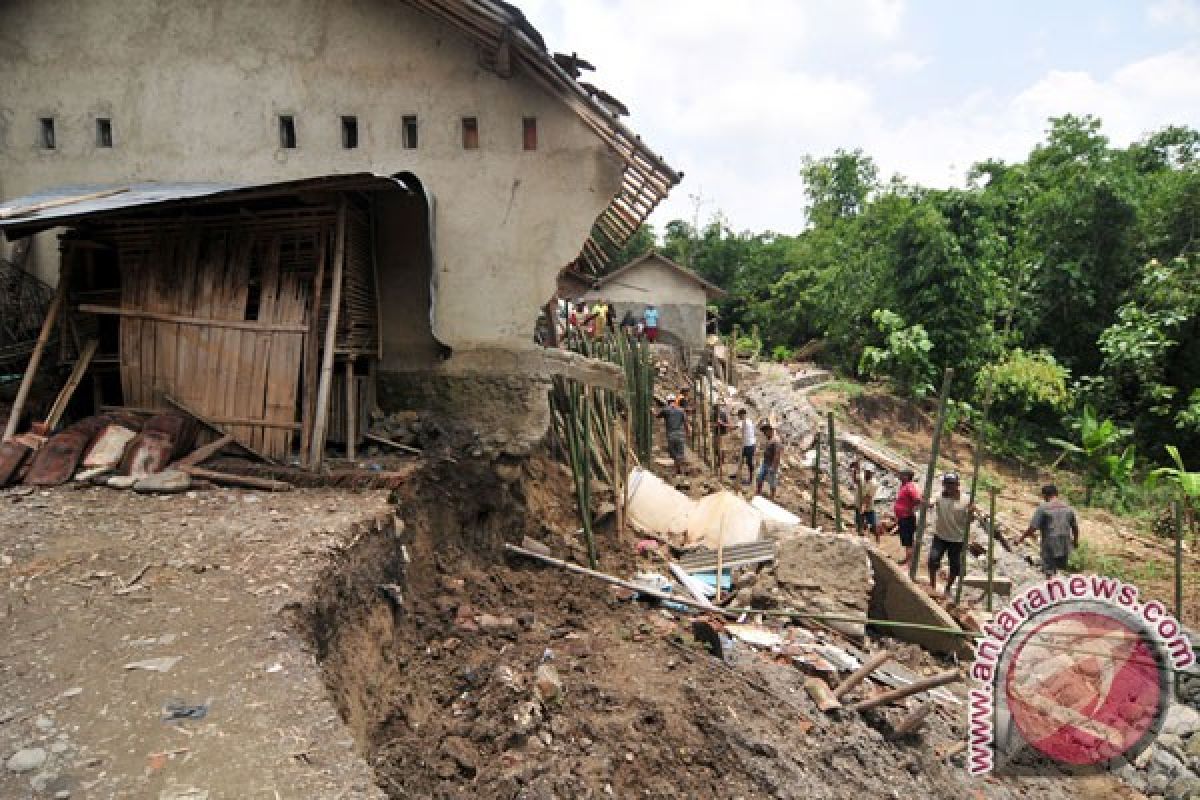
(1186, 483)
(904, 356)
(782, 353)
(1071, 277)
(1097, 442)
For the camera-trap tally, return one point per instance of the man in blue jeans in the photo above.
(772, 457)
(749, 442)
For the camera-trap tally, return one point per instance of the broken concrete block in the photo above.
(897, 598)
(824, 571)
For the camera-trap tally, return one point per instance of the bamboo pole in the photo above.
(351, 411)
(991, 551)
(68, 390)
(321, 416)
(816, 484)
(39, 347)
(733, 611)
(312, 341)
(932, 469)
(836, 487)
(979, 448)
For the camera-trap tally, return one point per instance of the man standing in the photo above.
(721, 426)
(865, 519)
(1059, 528)
(772, 457)
(905, 509)
(949, 532)
(650, 322)
(676, 421)
(749, 441)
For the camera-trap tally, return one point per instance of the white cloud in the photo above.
(1175, 13)
(736, 96)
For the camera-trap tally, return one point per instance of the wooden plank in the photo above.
(924, 684)
(212, 425)
(862, 673)
(321, 419)
(202, 454)
(68, 390)
(182, 319)
(308, 391)
(229, 479)
(12, 212)
(351, 416)
(39, 347)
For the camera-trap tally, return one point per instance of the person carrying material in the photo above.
(772, 457)
(865, 519)
(676, 422)
(628, 323)
(650, 322)
(749, 442)
(949, 532)
(1059, 528)
(908, 498)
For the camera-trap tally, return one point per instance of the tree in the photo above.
(838, 186)
(1098, 439)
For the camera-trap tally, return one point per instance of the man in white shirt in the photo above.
(749, 443)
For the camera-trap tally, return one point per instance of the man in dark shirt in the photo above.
(676, 422)
(772, 458)
(1056, 522)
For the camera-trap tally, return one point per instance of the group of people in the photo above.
(675, 415)
(1053, 520)
(596, 320)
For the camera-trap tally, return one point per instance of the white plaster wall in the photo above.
(681, 301)
(194, 90)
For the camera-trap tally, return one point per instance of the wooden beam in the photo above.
(68, 391)
(861, 674)
(39, 347)
(321, 417)
(237, 324)
(351, 411)
(941, 679)
(202, 454)
(212, 424)
(229, 479)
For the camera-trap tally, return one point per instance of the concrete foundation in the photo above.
(895, 597)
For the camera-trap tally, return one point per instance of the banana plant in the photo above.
(1187, 484)
(1097, 439)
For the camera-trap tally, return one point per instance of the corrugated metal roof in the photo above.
(60, 206)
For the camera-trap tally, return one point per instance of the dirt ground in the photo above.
(219, 578)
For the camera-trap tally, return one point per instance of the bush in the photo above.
(782, 353)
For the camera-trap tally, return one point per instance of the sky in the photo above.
(734, 94)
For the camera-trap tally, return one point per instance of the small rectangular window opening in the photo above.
(529, 132)
(470, 133)
(287, 132)
(103, 132)
(349, 132)
(410, 131)
(47, 130)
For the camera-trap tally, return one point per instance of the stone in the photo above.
(1193, 745)
(497, 624)
(121, 481)
(462, 753)
(59, 747)
(1181, 720)
(1157, 783)
(549, 685)
(1184, 787)
(44, 724)
(526, 717)
(1165, 763)
(26, 760)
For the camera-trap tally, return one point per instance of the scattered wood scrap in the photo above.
(203, 453)
(389, 443)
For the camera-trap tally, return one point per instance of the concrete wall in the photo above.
(681, 302)
(195, 90)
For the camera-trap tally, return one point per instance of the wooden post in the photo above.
(862, 673)
(933, 457)
(351, 411)
(312, 347)
(979, 448)
(68, 390)
(933, 682)
(991, 551)
(858, 499)
(816, 484)
(321, 415)
(39, 347)
(833, 476)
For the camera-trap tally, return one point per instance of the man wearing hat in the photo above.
(1056, 522)
(949, 532)
(676, 421)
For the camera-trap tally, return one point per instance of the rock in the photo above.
(526, 717)
(1163, 762)
(59, 747)
(1193, 745)
(462, 753)
(27, 760)
(549, 685)
(44, 724)
(169, 481)
(1181, 720)
(1184, 787)
(121, 481)
(1157, 783)
(506, 676)
(494, 624)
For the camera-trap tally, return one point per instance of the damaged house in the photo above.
(274, 217)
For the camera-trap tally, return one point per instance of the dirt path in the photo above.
(218, 577)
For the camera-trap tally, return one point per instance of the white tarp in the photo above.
(723, 519)
(656, 508)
